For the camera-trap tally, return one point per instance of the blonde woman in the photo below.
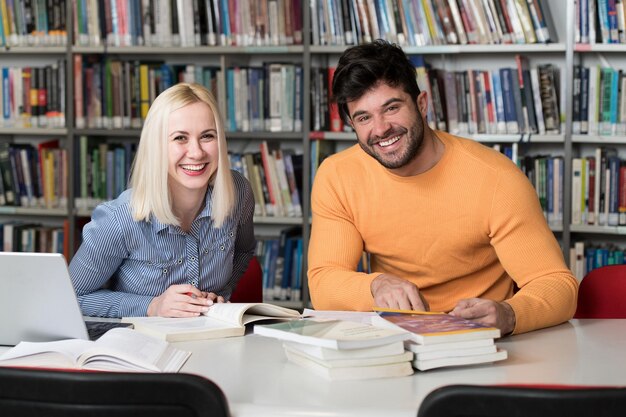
(181, 236)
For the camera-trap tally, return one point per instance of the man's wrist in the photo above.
(508, 319)
(375, 284)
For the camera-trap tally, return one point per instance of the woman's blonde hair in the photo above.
(149, 173)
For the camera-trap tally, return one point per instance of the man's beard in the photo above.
(414, 139)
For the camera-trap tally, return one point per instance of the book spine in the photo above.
(510, 113)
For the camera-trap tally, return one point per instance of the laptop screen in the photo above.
(37, 299)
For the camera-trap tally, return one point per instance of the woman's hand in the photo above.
(183, 300)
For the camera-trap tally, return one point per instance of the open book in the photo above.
(120, 349)
(222, 320)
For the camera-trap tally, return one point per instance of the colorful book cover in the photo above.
(434, 327)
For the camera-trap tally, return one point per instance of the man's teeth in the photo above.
(390, 141)
(193, 167)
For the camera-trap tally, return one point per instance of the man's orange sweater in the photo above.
(471, 226)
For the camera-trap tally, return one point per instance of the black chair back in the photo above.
(524, 401)
(35, 392)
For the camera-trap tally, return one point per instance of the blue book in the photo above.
(603, 20)
(411, 24)
(286, 282)
(6, 90)
(614, 189)
(499, 102)
(225, 23)
(612, 21)
(297, 275)
(383, 19)
(130, 39)
(602, 257)
(583, 24)
(236, 163)
(138, 35)
(590, 259)
(510, 112)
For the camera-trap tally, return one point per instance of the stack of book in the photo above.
(438, 339)
(343, 350)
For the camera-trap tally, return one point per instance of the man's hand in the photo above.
(182, 300)
(390, 291)
(487, 312)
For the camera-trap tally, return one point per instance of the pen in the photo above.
(392, 310)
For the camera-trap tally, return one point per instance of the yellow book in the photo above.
(144, 90)
(4, 14)
(527, 24)
(48, 178)
(432, 24)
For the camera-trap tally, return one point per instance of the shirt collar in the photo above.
(206, 212)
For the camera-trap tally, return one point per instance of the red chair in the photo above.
(250, 286)
(602, 294)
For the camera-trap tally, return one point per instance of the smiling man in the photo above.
(449, 224)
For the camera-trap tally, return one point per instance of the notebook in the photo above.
(38, 302)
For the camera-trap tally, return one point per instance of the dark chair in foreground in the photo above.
(524, 401)
(250, 286)
(34, 392)
(602, 294)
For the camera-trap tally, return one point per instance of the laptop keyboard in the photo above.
(95, 329)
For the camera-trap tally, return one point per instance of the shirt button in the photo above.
(194, 283)
(206, 251)
(165, 270)
(180, 261)
(193, 259)
(222, 247)
(231, 234)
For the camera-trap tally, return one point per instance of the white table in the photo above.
(258, 381)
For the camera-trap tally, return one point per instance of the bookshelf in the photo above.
(310, 54)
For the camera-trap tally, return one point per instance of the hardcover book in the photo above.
(327, 354)
(333, 334)
(430, 328)
(392, 366)
(424, 365)
(398, 365)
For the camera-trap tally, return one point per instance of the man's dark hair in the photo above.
(361, 67)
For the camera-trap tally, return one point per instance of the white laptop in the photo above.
(37, 300)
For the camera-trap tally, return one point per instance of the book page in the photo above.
(229, 312)
(234, 312)
(364, 317)
(59, 353)
(129, 346)
(71, 349)
(177, 325)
